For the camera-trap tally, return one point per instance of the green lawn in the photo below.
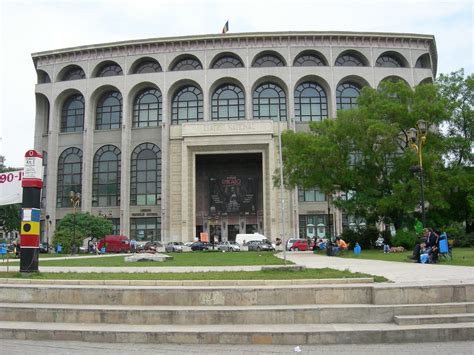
(228, 275)
(461, 256)
(179, 259)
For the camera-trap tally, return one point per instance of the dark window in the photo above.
(346, 96)
(72, 117)
(187, 64)
(308, 60)
(227, 62)
(314, 195)
(388, 61)
(73, 73)
(109, 70)
(43, 77)
(228, 103)
(106, 177)
(147, 66)
(148, 229)
(147, 108)
(310, 103)
(315, 219)
(187, 105)
(349, 60)
(268, 61)
(269, 102)
(423, 62)
(69, 175)
(109, 111)
(145, 178)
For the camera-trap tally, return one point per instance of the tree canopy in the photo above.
(366, 155)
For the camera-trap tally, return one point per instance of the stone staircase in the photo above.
(279, 313)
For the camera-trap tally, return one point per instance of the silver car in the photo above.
(174, 247)
(258, 245)
(228, 246)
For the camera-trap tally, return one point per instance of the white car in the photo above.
(177, 247)
(228, 246)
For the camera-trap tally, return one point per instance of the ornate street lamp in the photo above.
(417, 139)
(75, 198)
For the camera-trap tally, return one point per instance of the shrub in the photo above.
(464, 240)
(350, 237)
(365, 237)
(406, 239)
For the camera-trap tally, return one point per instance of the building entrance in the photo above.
(229, 194)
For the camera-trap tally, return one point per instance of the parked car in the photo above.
(228, 246)
(200, 246)
(177, 247)
(258, 245)
(45, 248)
(301, 245)
(114, 244)
(289, 243)
(149, 247)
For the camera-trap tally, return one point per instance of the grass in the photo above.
(179, 259)
(461, 256)
(325, 273)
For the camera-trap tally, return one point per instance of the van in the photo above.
(115, 244)
(245, 238)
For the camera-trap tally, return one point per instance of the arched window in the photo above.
(145, 178)
(310, 102)
(146, 66)
(349, 60)
(69, 175)
(227, 62)
(228, 103)
(109, 111)
(388, 61)
(110, 69)
(147, 108)
(309, 60)
(268, 60)
(187, 64)
(423, 62)
(43, 77)
(72, 117)
(106, 177)
(187, 105)
(346, 95)
(73, 73)
(269, 102)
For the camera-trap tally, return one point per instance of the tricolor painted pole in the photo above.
(30, 215)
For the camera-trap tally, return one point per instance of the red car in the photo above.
(114, 244)
(301, 245)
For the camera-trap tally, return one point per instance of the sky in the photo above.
(29, 26)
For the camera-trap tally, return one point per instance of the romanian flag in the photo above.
(225, 29)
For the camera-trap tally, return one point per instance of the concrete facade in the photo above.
(175, 210)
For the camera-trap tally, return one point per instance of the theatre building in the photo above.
(171, 137)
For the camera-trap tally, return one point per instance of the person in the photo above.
(133, 245)
(341, 244)
(428, 244)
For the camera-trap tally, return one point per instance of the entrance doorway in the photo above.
(232, 232)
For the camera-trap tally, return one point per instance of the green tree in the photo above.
(365, 152)
(86, 226)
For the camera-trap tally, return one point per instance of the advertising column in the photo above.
(30, 217)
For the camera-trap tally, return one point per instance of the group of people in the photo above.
(332, 247)
(427, 250)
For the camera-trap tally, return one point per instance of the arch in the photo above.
(226, 60)
(145, 65)
(185, 62)
(268, 59)
(311, 102)
(72, 114)
(71, 72)
(106, 177)
(394, 79)
(310, 58)
(42, 111)
(109, 110)
(187, 104)
(69, 175)
(269, 102)
(42, 77)
(423, 61)
(426, 81)
(107, 68)
(347, 93)
(145, 175)
(147, 106)
(391, 59)
(228, 103)
(351, 58)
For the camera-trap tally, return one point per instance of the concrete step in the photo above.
(434, 319)
(380, 294)
(289, 334)
(264, 314)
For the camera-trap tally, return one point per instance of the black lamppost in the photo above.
(75, 198)
(417, 138)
